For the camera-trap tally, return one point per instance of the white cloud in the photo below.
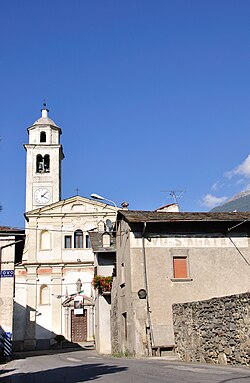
(217, 185)
(241, 181)
(246, 187)
(243, 169)
(211, 201)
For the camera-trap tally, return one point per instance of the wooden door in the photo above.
(79, 327)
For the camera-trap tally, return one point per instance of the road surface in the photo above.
(87, 365)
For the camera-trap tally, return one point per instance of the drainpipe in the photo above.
(146, 288)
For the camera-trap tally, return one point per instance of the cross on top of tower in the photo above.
(44, 110)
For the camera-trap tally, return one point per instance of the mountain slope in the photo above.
(239, 202)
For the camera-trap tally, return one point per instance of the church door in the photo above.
(79, 327)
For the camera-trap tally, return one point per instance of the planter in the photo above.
(102, 284)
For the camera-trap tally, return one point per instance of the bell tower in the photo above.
(44, 154)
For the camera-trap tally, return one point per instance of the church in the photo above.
(53, 283)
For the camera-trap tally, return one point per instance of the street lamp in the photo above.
(96, 196)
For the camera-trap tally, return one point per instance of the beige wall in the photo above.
(7, 284)
(213, 272)
(103, 306)
(49, 263)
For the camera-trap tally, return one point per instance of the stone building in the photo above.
(164, 258)
(11, 248)
(58, 261)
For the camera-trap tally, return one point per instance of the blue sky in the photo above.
(151, 95)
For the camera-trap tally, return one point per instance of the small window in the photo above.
(78, 239)
(180, 267)
(46, 163)
(106, 240)
(44, 295)
(122, 282)
(42, 163)
(125, 326)
(42, 137)
(39, 163)
(45, 240)
(67, 242)
(87, 242)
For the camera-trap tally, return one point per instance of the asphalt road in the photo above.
(83, 366)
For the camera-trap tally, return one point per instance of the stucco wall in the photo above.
(213, 262)
(57, 267)
(214, 331)
(105, 264)
(7, 284)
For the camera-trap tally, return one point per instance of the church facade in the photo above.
(57, 268)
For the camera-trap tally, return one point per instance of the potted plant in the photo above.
(102, 284)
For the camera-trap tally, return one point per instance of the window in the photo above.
(42, 137)
(42, 163)
(46, 162)
(122, 282)
(45, 240)
(125, 326)
(78, 239)
(106, 240)
(180, 267)
(44, 295)
(39, 163)
(87, 242)
(67, 242)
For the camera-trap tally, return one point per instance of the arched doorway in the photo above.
(79, 327)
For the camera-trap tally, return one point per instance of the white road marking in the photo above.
(93, 357)
(74, 360)
(203, 370)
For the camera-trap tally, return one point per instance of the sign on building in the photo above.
(6, 273)
(78, 305)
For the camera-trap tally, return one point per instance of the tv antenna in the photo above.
(175, 194)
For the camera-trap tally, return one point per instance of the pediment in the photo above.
(74, 205)
(69, 302)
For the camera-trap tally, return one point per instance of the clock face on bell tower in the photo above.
(44, 154)
(42, 196)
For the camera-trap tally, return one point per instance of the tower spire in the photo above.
(44, 110)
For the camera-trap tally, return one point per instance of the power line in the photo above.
(48, 284)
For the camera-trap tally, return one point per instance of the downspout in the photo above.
(146, 288)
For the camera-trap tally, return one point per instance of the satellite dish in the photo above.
(109, 224)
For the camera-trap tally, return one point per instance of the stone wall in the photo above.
(214, 331)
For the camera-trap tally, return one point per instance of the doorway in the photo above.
(79, 327)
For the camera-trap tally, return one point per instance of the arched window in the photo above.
(46, 163)
(106, 240)
(42, 137)
(42, 163)
(78, 239)
(45, 240)
(44, 295)
(39, 163)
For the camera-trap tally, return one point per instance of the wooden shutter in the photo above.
(180, 267)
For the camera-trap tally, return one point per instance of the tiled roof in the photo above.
(8, 229)
(97, 243)
(154, 216)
